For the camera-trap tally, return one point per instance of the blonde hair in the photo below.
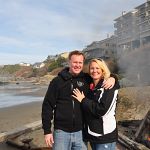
(101, 63)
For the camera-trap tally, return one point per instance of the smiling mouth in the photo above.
(77, 68)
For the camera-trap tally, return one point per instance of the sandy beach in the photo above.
(16, 116)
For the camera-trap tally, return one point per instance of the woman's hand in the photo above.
(78, 95)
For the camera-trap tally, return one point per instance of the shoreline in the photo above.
(14, 117)
(19, 115)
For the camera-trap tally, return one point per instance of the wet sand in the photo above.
(17, 116)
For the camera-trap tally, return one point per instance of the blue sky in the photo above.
(30, 30)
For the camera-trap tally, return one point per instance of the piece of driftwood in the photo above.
(19, 131)
(24, 144)
(144, 129)
(130, 144)
(25, 147)
(19, 146)
(130, 123)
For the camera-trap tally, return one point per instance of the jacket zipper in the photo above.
(73, 115)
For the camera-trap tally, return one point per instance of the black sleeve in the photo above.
(48, 106)
(100, 108)
(115, 77)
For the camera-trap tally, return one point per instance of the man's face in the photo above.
(76, 64)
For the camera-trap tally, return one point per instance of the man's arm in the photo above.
(47, 112)
(110, 82)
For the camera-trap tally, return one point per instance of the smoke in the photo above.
(135, 66)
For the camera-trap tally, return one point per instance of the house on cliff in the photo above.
(104, 49)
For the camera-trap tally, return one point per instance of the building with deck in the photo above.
(133, 28)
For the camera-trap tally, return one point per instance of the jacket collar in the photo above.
(92, 87)
(66, 75)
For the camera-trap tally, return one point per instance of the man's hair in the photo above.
(76, 52)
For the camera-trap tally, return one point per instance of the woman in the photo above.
(99, 109)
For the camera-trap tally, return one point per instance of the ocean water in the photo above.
(10, 95)
(7, 100)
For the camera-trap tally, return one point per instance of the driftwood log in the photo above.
(19, 131)
(144, 128)
(130, 144)
(25, 147)
(9, 137)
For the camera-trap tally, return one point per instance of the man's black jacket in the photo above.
(58, 102)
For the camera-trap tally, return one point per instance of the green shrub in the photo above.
(56, 63)
(11, 68)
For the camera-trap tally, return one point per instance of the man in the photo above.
(58, 102)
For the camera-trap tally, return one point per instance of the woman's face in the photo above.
(95, 71)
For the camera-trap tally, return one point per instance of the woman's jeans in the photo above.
(68, 141)
(106, 146)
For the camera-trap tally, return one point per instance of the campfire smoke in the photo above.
(135, 66)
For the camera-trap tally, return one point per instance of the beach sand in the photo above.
(15, 117)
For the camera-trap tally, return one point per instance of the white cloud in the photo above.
(51, 26)
(10, 41)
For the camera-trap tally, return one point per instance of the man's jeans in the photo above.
(68, 141)
(106, 146)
